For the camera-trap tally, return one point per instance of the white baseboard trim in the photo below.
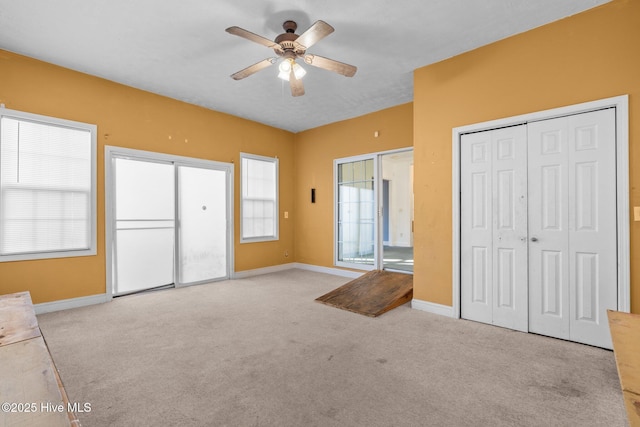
(329, 270)
(432, 307)
(65, 304)
(309, 267)
(264, 270)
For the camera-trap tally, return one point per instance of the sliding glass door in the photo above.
(169, 218)
(356, 224)
(202, 210)
(144, 224)
(374, 211)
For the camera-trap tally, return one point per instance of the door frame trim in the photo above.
(621, 104)
(110, 153)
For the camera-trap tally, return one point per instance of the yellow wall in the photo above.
(128, 117)
(315, 151)
(590, 56)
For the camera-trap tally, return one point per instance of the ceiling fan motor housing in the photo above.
(286, 41)
(290, 26)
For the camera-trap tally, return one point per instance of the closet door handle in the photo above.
(534, 239)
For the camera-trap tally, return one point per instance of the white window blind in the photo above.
(46, 187)
(259, 176)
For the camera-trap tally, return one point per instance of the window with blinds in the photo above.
(259, 204)
(47, 187)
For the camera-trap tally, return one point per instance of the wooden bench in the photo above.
(31, 392)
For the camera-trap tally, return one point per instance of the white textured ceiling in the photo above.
(180, 48)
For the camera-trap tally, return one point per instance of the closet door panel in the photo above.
(548, 228)
(509, 198)
(592, 225)
(477, 228)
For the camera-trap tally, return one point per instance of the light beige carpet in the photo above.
(262, 352)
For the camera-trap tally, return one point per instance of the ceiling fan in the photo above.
(290, 46)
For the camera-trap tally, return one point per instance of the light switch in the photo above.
(636, 213)
(286, 214)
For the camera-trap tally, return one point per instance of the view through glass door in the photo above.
(374, 211)
(397, 211)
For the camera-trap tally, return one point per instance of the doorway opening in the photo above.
(397, 211)
(373, 225)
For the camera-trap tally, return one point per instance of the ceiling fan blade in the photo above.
(252, 69)
(314, 34)
(331, 65)
(240, 32)
(297, 88)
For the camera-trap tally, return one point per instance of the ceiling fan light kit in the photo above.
(290, 46)
(285, 69)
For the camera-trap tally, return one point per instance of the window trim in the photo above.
(276, 234)
(92, 129)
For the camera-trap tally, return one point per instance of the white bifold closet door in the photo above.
(538, 226)
(494, 219)
(572, 226)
